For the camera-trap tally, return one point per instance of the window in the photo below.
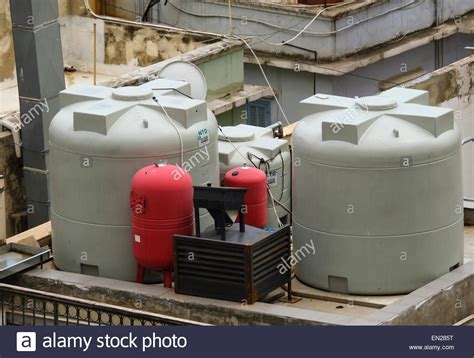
(259, 113)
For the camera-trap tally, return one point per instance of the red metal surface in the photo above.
(161, 201)
(255, 181)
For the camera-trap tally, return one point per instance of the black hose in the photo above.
(149, 7)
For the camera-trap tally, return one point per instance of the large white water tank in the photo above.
(377, 193)
(258, 146)
(98, 140)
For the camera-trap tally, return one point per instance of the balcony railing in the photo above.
(26, 307)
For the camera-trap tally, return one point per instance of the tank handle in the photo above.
(465, 141)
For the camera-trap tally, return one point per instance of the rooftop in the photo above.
(312, 306)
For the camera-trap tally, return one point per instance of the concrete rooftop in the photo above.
(429, 305)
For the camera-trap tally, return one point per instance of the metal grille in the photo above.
(243, 269)
(26, 307)
(210, 262)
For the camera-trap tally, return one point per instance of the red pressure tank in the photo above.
(161, 201)
(255, 181)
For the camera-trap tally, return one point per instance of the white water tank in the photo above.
(377, 192)
(98, 140)
(258, 146)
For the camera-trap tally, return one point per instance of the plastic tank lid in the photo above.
(376, 103)
(132, 93)
(237, 134)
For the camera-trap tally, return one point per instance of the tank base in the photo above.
(366, 265)
(97, 250)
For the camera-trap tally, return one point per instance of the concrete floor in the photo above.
(357, 306)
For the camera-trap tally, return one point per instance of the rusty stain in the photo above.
(441, 88)
(72, 7)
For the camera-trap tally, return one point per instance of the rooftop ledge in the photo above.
(200, 54)
(331, 12)
(239, 98)
(370, 56)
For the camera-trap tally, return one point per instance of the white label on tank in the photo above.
(137, 238)
(272, 178)
(203, 137)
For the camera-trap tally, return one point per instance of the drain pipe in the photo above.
(36, 38)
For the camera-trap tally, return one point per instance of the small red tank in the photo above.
(161, 201)
(255, 181)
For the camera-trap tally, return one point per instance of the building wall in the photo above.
(224, 74)
(232, 118)
(7, 53)
(120, 48)
(331, 37)
(453, 87)
(292, 86)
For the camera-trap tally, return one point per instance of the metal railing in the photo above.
(26, 307)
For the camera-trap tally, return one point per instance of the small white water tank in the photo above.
(98, 140)
(377, 193)
(257, 146)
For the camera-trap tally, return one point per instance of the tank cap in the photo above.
(376, 103)
(237, 134)
(132, 93)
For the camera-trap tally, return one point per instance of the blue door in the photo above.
(259, 113)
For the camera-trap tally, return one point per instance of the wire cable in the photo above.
(264, 75)
(267, 165)
(172, 89)
(294, 30)
(280, 224)
(299, 33)
(355, 75)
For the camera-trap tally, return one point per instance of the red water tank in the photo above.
(161, 201)
(255, 181)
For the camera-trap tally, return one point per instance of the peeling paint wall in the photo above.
(120, 48)
(145, 46)
(72, 7)
(7, 56)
